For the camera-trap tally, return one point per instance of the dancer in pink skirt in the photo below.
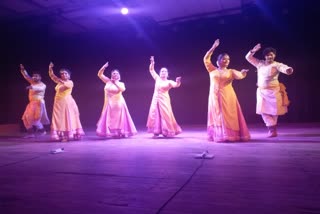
(115, 119)
(161, 119)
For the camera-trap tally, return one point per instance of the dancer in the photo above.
(35, 114)
(272, 99)
(66, 123)
(161, 119)
(115, 119)
(225, 119)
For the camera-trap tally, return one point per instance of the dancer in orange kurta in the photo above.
(161, 119)
(66, 123)
(35, 115)
(225, 118)
(115, 119)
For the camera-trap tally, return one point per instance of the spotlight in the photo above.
(124, 11)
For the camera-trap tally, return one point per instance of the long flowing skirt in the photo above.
(115, 120)
(225, 119)
(66, 119)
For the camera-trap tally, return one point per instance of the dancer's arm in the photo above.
(25, 74)
(283, 68)
(207, 57)
(250, 58)
(151, 68)
(101, 75)
(239, 74)
(177, 83)
(119, 85)
(52, 75)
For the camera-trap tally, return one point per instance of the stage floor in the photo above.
(145, 175)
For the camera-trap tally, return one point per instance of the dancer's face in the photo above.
(115, 75)
(64, 75)
(270, 57)
(36, 77)
(224, 61)
(163, 73)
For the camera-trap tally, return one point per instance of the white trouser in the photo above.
(270, 120)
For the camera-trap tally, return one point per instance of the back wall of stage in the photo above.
(180, 47)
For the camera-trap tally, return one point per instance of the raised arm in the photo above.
(101, 75)
(250, 58)
(52, 75)
(25, 74)
(151, 68)
(207, 57)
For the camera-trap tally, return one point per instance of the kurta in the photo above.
(35, 113)
(161, 119)
(271, 98)
(115, 119)
(225, 119)
(65, 115)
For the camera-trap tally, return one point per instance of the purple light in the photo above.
(124, 11)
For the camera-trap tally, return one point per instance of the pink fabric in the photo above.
(161, 119)
(115, 119)
(65, 115)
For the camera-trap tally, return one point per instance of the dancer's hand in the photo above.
(256, 48)
(152, 59)
(216, 43)
(105, 65)
(51, 65)
(178, 79)
(289, 71)
(244, 71)
(21, 67)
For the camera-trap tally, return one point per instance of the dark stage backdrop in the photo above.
(179, 47)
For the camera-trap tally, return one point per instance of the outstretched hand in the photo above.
(244, 70)
(289, 71)
(178, 79)
(256, 48)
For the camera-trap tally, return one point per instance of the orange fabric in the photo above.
(225, 118)
(284, 95)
